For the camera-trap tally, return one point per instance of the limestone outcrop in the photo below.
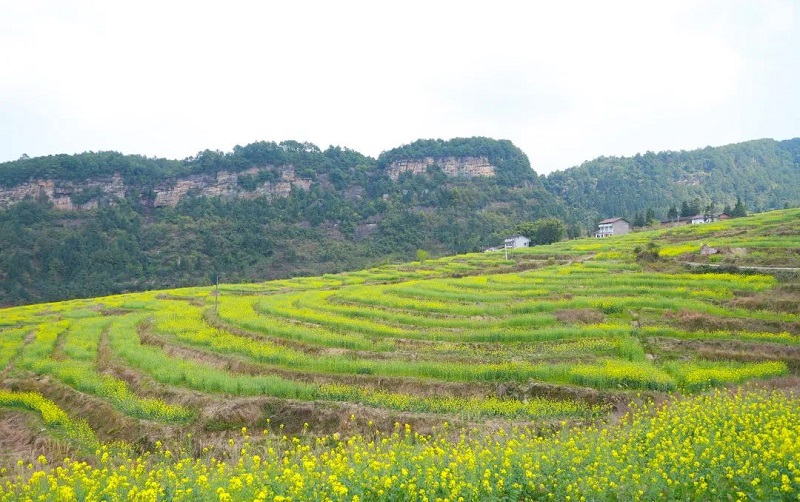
(66, 195)
(469, 167)
(227, 185)
(265, 181)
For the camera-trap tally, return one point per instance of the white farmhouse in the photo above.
(518, 241)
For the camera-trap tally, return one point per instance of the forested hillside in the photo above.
(102, 223)
(764, 173)
(339, 210)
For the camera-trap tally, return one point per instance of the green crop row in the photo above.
(78, 370)
(53, 416)
(10, 344)
(239, 312)
(467, 408)
(195, 375)
(699, 375)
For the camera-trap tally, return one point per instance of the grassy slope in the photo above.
(570, 331)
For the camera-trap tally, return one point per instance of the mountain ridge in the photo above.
(99, 223)
(262, 159)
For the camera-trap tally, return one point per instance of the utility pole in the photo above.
(216, 297)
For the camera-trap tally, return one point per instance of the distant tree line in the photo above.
(763, 174)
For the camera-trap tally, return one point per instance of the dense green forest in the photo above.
(765, 174)
(341, 164)
(352, 215)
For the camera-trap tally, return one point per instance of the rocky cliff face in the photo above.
(452, 166)
(66, 195)
(71, 196)
(260, 181)
(227, 185)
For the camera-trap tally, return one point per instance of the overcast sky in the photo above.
(565, 81)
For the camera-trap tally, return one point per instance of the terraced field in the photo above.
(497, 360)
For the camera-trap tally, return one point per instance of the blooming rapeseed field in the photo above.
(737, 446)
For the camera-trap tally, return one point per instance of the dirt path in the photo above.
(742, 267)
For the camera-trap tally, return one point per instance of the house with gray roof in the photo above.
(612, 226)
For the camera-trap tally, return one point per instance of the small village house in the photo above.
(612, 226)
(697, 219)
(518, 241)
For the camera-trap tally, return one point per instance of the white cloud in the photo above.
(565, 81)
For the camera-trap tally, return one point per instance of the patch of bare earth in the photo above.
(727, 350)
(193, 300)
(579, 316)
(293, 416)
(789, 383)
(699, 321)
(23, 436)
(784, 298)
(58, 348)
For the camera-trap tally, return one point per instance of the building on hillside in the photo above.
(518, 241)
(612, 226)
(697, 219)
